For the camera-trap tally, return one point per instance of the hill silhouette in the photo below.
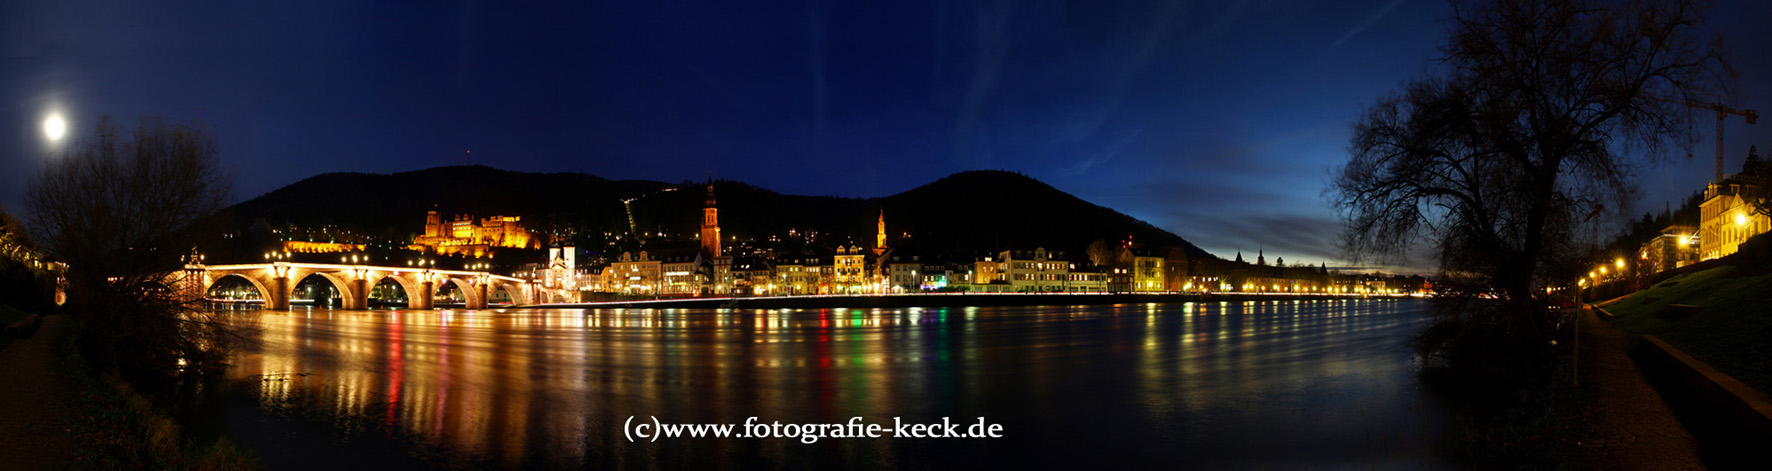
(962, 215)
(395, 205)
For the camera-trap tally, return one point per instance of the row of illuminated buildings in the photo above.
(702, 268)
(1726, 219)
(682, 272)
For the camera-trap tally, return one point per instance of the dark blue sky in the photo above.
(1215, 120)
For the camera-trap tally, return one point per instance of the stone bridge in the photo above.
(276, 281)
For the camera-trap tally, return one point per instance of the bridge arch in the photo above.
(470, 291)
(277, 282)
(519, 293)
(263, 291)
(494, 290)
(407, 285)
(343, 284)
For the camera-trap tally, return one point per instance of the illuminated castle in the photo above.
(465, 236)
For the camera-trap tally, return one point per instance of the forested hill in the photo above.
(965, 213)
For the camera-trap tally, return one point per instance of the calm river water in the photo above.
(1276, 384)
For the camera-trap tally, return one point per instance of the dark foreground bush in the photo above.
(1475, 341)
(123, 429)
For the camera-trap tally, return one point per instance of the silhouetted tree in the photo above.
(24, 283)
(1521, 137)
(1758, 175)
(15, 241)
(119, 210)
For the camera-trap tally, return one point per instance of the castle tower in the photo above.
(880, 236)
(710, 225)
(433, 224)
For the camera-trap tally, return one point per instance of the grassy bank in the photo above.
(120, 428)
(1728, 332)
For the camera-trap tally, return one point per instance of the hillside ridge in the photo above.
(965, 213)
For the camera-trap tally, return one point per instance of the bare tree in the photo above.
(1100, 253)
(120, 210)
(1758, 176)
(1528, 131)
(24, 280)
(15, 241)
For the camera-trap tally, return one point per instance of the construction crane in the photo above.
(1723, 111)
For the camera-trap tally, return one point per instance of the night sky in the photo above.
(1218, 121)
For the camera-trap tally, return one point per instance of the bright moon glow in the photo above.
(54, 127)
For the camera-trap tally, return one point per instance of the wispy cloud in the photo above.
(1155, 34)
(1105, 154)
(1371, 19)
(993, 43)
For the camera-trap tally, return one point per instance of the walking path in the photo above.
(1629, 426)
(35, 392)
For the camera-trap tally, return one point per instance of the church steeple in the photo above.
(880, 235)
(710, 224)
(1259, 258)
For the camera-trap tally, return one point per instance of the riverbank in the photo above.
(58, 415)
(1729, 314)
(1717, 318)
(947, 300)
(1595, 410)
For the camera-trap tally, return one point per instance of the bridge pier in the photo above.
(356, 297)
(423, 298)
(278, 298)
(478, 302)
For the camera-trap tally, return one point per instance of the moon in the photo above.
(54, 127)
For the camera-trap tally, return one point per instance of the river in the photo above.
(1218, 385)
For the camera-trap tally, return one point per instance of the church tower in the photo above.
(710, 225)
(880, 236)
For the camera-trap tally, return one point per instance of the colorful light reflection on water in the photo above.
(1261, 384)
